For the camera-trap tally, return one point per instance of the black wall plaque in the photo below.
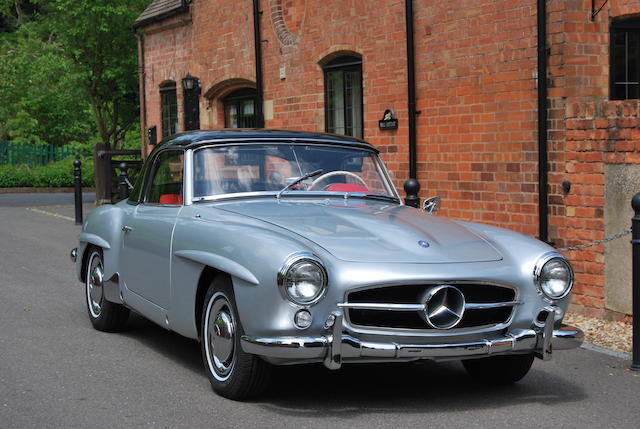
(388, 122)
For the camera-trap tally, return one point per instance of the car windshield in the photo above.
(269, 168)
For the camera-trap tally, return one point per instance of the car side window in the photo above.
(165, 186)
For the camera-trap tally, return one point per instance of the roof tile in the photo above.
(159, 7)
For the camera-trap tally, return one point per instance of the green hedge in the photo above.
(54, 175)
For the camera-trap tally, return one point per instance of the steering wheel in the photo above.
(336, 173)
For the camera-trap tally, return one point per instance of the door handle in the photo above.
(126, 229)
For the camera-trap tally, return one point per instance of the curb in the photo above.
(33, 190)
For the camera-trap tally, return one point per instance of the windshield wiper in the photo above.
(373, 196)
(298, 180)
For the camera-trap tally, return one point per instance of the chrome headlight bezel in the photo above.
(290, 264)
(539, 269)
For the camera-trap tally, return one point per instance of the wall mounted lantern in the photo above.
(189, 82)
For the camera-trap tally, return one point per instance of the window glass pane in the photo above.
(353, 89)
(343, 109)
(240, 109)
(231, 116)
(166, 185)
(625, 59)
(169, 107)
(335, 102)
(633, 56)
(619, 55)
(247, 118)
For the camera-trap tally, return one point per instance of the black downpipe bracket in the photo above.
(411, 84)
(258, 55)
(543, 198)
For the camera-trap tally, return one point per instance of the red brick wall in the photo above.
(476, 67)
(476, 91)
(587, 131)
(597, 133)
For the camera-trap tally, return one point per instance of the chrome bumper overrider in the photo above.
(336, 347)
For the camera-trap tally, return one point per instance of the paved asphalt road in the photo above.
(56, 371)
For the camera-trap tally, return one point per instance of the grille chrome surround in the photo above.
(402, 307)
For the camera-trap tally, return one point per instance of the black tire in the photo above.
(499, 369)
(104, 315)
(233, 373)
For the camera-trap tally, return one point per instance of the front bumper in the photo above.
(336, 346)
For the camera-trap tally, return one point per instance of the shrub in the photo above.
(55, 175)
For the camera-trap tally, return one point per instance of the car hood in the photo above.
(371, 231)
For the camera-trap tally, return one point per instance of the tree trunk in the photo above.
(101, 172)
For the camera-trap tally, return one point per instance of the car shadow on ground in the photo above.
(184, 351)
(424, 386)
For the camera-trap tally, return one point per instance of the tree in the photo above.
(39, 97)
(96, 36)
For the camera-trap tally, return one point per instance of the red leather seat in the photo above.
(172, 199)
(346, 187)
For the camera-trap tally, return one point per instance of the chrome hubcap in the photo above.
(220, 341)
(94, 285)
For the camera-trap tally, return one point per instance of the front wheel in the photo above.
(105, 315)
(233, 373)
(499, 369)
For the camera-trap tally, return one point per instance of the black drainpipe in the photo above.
(543, 206)
(258, 55)
(411, 83)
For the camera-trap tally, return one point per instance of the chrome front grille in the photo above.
(403, 307)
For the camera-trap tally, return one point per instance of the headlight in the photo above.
(303, 279)
(553, 275)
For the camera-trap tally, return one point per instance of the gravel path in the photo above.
(602, 333)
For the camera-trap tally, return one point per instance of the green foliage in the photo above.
(39, 100)
(96, 36)
(55, 175)
(69, 70)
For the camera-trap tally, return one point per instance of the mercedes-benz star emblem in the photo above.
(444, 307)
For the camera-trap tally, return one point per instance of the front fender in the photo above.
(249, 250)
(87, 237)
(103, 228)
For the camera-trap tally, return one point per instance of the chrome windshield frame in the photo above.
(382, 170)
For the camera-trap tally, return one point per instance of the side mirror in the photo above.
(431, 204)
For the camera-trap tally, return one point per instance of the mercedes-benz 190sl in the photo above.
(277, 247)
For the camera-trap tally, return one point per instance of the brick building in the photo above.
(338, 65)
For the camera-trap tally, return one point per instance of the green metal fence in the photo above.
(31, 155)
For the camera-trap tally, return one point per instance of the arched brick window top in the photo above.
(224, 88)
(168, 108)
(343, 94)
(625, 59)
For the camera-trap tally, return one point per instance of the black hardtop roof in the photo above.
(192, 139)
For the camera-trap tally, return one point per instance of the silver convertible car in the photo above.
(277, 247)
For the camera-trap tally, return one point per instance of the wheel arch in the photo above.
(207, 276)
(85, 257)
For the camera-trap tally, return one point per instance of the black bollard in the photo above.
(124, 181)
(77, 184)
(635, 245)
(411, 188)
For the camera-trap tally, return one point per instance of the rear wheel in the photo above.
(233, 373)
(499, 369)
(105, 315)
